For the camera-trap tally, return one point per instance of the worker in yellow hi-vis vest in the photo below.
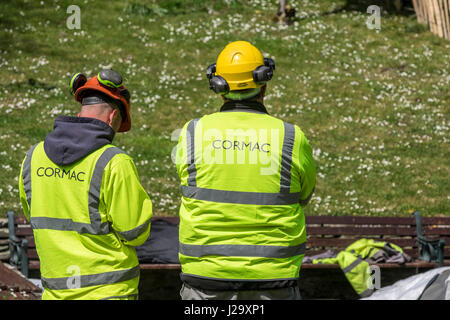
(83, 198)
(245, 176)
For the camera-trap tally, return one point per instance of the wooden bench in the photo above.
(336, 233)
(21, 245)
(327, 281)
(324, 233)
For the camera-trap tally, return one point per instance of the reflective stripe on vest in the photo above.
(191, 169)
(286, 158)
(237, 250)
(240, 197)
(353, 265)
(90, 279)
(96, 227)
(284, 197)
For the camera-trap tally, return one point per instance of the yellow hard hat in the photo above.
(236, 64)
(240, 66)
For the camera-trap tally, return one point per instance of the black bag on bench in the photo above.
(162, 245)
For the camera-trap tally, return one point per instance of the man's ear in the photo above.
(112, 115)
(115, 119)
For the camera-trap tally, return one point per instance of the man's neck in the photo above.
(253, 105)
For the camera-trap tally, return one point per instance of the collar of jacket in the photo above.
(73, 138)
(248, 106)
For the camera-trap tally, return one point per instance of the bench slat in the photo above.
(23, 231)
(413, 252)
(159, 266)
(32, 254)
(445, 221)
(34, 264)
(446, 252)
(337, 242)
(312, 252)
(434, 230)
(31, 243)
(376, 220)
(20, 220)
(360, 231)
(374, 230)
(359, 220)
(416, 264)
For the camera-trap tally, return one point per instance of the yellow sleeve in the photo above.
(181, 155)
(22, 195)
(308, 171)
(128, 206)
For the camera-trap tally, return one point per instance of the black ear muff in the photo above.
(219, 85)
(264, 73)
(77, 81)
(210, 71)
(110, 78)
(216, 83)
(268, 62)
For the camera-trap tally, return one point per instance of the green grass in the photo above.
(373, 104)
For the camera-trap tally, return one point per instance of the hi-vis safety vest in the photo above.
(353, 264)
(86, 218)
(244, 176)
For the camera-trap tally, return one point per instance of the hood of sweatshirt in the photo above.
(73, 138)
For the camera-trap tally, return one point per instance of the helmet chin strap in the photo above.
(237, 95)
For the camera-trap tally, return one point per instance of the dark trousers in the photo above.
(189, 293)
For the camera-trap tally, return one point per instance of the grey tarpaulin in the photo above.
(433, 284)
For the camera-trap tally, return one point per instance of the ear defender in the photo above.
(269, 63)
(110, 78)
(264, 73)
(210, 71)
(216, 83)
(77, 81)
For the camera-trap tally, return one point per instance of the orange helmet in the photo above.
(108, 82)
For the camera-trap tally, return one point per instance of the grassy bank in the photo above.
(374, 104)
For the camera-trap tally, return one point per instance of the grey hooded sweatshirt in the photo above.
(73, 138)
